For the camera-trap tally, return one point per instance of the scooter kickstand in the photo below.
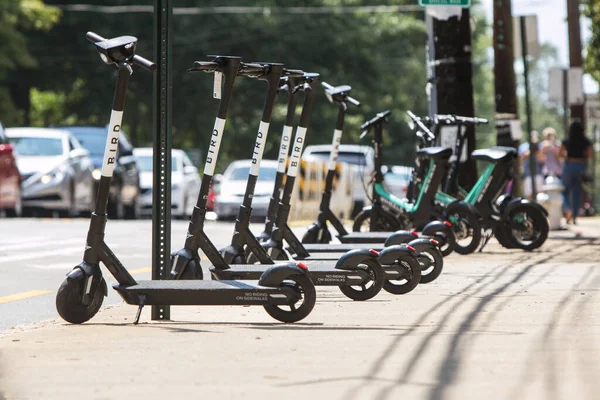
(487, 235)
(142, 298)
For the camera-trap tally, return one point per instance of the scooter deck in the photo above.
(365, 237)
(322, 274)
(340, 248)
(197, 292)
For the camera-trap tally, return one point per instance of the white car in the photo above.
(233, 186)
(185, 182)
(362, 160)
(396, 180)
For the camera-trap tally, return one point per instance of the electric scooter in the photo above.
(81, 294)
(318, 232)
(402, 269)
(358, 274)
(516, 222)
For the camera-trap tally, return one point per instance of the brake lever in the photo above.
(364, 133)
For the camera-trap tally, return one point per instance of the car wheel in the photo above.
(133, 211)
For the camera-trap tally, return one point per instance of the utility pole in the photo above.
(575, 57)
(452, 79)
(507, 114)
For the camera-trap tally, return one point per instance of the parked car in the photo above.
(397, 179)
(232, 187)
(10, 180)
(124, 197)
(56, 171)
(362, 159)
(185, 182)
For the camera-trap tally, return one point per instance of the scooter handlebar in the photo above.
(252, 70)
(380, 116)
(326, 85)
(144, 63)
(294, 73)
(353, 101)
(462, 120)
(94, 37)
(205, 66)
(419, 123)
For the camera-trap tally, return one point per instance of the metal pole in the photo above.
(161, 186)
(505, 82)
(594, 164)
(532, 149)
(575, 57)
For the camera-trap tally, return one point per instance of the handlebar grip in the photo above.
(94, 37)
(251, 69)
(294, 73)
(482, 120)
(326, 85)
(142, 62)
(206, 66)
(352, 100)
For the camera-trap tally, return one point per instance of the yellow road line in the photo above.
(140, 271)
(24, 295)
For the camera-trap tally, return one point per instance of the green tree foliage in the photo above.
(17, 19)
(381, 55)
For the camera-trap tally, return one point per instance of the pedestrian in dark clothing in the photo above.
(576, 150)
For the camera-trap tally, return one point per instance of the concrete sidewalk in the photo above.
(502, 324)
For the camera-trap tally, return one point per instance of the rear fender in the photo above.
(350, 260)
(421, 245)
(273, 276)
(434, 227)
(389, 255)
(519, 201)
(400, 237)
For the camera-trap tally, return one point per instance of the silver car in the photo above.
(233, 186)
(56, 171)
(185, 182)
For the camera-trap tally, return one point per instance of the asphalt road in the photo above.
(35, 255)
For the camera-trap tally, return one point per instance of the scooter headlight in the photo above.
(96, 174)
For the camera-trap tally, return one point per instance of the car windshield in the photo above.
(349, 157)
(37, 146)
(93, 139)
(145, 163)
(241, 174)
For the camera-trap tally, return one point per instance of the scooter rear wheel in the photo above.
(362, 223)
(432, 263)
(304, 286)
(447, 242)
(372, 288)
(528, 227)
(410, 276)
(68, 301)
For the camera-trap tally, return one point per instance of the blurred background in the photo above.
(50, 77)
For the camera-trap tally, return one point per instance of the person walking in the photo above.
(524, 152)
(576, 150)
(549, 154)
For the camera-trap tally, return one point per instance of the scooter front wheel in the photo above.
(299, 310)
(68, 301)
(467, 231)
(409, 275)
(369, 289)
(432, 263)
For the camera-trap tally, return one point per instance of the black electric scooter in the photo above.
(318, 232)
(400, 265)
(358, 274)
(291, 88)
(81, 294)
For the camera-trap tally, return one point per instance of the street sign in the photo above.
(459, 3)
